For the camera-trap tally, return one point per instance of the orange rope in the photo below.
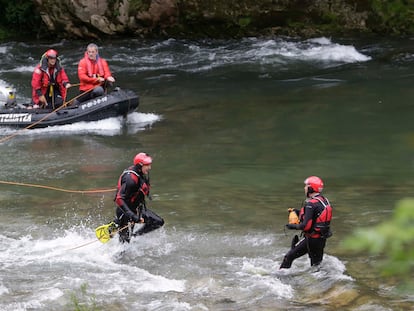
(57, 189)
(72, 85)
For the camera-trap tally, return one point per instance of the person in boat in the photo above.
(49, 82)
(133, 187)
(314, 221)
(94, 74)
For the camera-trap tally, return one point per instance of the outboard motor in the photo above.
(7, 95)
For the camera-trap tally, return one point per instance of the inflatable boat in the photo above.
(118, 102)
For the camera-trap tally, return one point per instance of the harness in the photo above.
(129, 171)
(143, 186)
(321, 227)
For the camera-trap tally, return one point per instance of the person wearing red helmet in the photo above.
(315, 218)
(49, 82)
(133, 187)
(94, 74)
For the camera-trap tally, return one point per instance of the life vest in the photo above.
(142, 188)
(89, 71)
(94, 68)
(321, 221)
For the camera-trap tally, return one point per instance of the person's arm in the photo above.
(108, 75)
(307, 222)
(65, 79)
(37, 86)
(123, 193)
(65, 84)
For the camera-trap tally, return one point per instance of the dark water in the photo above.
(234, 128)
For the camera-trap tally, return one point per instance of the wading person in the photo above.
(314, 221)
(94, 74)
(49, 82)
(133, 187)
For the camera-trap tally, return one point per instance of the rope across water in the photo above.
(56, 188)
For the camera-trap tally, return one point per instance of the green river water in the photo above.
(234, 128)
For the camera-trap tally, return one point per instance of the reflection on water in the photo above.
(234, 128)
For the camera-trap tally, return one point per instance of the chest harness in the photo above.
(321, 227)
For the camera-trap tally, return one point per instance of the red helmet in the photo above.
(51, 53)
(142, 159)
(315, 183)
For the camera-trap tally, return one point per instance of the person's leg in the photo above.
(97, 91)
(49, 101)
(151, 222)
(124, 229)
(295, 240)
(300, 249)
(82, 97)
(316, 247)
(58, 101)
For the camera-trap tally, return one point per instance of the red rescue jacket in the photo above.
(89, 71)
(43, 77)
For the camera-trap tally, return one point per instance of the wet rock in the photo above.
(211, 18)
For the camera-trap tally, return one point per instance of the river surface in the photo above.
(234, 127)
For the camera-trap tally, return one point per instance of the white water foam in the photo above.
(199, 57)
(318, 49)
(135, 122)
(20, 69)
(63, 264)
(169, 270)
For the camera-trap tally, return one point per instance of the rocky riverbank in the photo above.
(217, 18)
(84, 19)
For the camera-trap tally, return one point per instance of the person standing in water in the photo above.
(131, 209)
(314, 221)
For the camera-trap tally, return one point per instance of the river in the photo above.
(234, 128)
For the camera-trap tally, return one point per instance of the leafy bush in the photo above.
(393, 240)
(394, 16)
(17, 17)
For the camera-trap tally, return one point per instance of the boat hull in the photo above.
(116, 103)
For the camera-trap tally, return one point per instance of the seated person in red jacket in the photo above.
(49, 82)
(94, 74)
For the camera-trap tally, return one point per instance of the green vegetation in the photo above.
(83, 302)
(17, 18)
(392, 240)
(136, 6)
(396, 16)
(244, 21)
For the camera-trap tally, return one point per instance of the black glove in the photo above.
(291, 226)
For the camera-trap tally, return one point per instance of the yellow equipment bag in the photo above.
(293, 216)
(105, 232)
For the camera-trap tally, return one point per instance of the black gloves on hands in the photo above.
(291, 226)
